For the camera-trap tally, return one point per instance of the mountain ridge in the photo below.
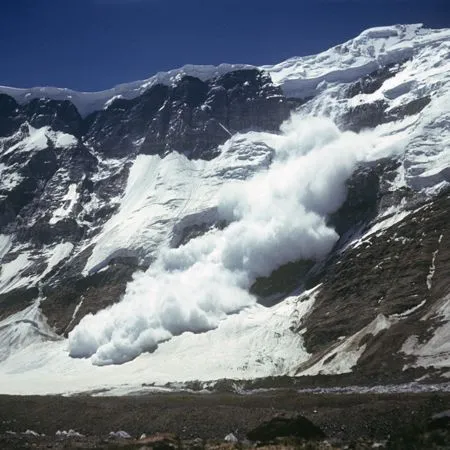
(280, 72)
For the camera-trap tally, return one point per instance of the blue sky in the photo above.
(95, 44)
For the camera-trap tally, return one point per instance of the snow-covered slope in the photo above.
(347, 62)
(161, 192)
(256, 342)
(160, 253)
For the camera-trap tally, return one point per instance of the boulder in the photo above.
(298, 427)
(440, 421)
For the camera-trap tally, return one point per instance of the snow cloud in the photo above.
(277, 216)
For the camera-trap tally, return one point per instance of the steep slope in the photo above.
(161, 216)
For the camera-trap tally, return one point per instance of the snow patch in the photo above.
(64, 140)
(10, 272)
(5, 245)
(389, 218)
(69, 201)
(433, 265)
(58, 253)
(9, 180)
(408, 312)
(23, 329)
(435, 352)
(34, 139)
(75, 312)
(345, 356)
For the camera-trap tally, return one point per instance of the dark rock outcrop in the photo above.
(73, 296)
(59, 115)
(10, 118)
(386, 274)
(192, 117)
(439, 421)
(369, 115)
(372, 82)
(280, 427)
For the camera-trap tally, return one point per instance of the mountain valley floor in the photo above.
(188, 420)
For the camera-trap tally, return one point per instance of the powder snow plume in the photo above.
(275, 217)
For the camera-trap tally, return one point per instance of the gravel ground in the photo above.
(343, 417)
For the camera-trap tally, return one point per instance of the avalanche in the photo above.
(277, 216)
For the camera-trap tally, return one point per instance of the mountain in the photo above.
(232, 222)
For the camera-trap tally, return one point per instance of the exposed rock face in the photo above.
(193, 117)
(372, 82)
(372, 114)
(59, 115)
(9, 115)
(386, 274)
(72, 298)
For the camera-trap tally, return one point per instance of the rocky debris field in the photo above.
(273, 419)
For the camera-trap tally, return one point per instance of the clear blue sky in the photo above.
(95, 44)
